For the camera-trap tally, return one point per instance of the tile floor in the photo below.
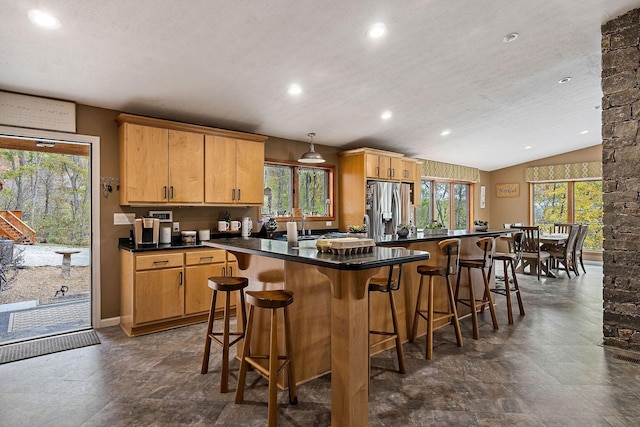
(547, 369)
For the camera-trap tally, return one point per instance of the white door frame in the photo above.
(94, 141)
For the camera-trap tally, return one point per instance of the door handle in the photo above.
(224, 271)
(238, 194)
(172, 192)
(233, 194)
(180, 279)
(230, 271)
(164, 190)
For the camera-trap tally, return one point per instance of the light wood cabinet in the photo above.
(160, 165)
(408, 168)
(384, 167)
(199, 267)
(169, 163)
(165, 289)
(238, 175)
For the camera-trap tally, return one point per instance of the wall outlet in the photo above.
(124, 218)
(176, 227)
(328, 223)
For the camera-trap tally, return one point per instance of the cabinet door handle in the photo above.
(230, 271)
(377, 170)
(164, 261)
(238, 194)
(233, 194)
(180, 283)
(164, 190)
(172, 192)
(205, 258)
(224, 271)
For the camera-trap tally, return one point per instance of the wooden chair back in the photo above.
(562, 228)
(530, 239)
(451, 249)
(515, 245)
(487, 244)
(582, 235)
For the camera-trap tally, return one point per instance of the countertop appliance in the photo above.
(146, 231)
(388, 204)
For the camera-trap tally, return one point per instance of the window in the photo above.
(438, 204)
(290, 186)
(570, 202)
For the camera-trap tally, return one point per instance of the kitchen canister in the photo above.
(165, 235)
(189, 237)
(204, 234)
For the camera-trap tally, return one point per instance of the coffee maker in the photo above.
(147, 231)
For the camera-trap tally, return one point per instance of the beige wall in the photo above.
(516, 209)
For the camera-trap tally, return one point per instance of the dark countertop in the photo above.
(305, 252)
(392, 239)
(388, 240)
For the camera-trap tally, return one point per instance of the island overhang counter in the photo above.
(273, 264)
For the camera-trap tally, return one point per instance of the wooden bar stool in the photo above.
(451, 249)
(388, 285)
(226, 285)
(511, 260)
(271, 300)
(487, 244)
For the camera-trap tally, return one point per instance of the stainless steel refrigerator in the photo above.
(388, 204)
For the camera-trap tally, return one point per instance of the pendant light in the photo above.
(311, 156)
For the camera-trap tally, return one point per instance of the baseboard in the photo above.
(105, 323)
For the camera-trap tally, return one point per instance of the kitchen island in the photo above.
(329, 316)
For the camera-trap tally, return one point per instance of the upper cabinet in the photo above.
(384, 166)
(158, 165)
(238, 175)
(362, 164)
(171, 163)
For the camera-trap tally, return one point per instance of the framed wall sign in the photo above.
(508, 190)
(37, 113)
(482, 197)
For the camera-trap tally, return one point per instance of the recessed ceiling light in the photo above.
(445, 132)
(510, 37)
(584, 132)
(386, 115)
(528, 147)
(564, 80)
(377, 30)
(43, 19)
(294, 89)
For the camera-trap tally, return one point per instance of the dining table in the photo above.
(546, 240)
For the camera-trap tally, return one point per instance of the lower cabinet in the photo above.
(166, 289)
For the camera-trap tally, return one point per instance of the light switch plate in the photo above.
(124, 218)
(176, 227)
(328, 223)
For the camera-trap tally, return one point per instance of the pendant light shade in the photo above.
(311, 156)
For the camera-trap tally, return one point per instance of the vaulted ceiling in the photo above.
(442, 65)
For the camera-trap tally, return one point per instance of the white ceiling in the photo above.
(224, 63)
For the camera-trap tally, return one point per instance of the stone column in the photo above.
(621, 180)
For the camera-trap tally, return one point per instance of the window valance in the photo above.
(433, 169)
(566, 172)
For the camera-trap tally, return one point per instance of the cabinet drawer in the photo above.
(156, 261)
(205, 257)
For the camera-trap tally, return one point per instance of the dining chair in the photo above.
(577, 251)
(563, 254)
(562, 228)
(531, 252)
